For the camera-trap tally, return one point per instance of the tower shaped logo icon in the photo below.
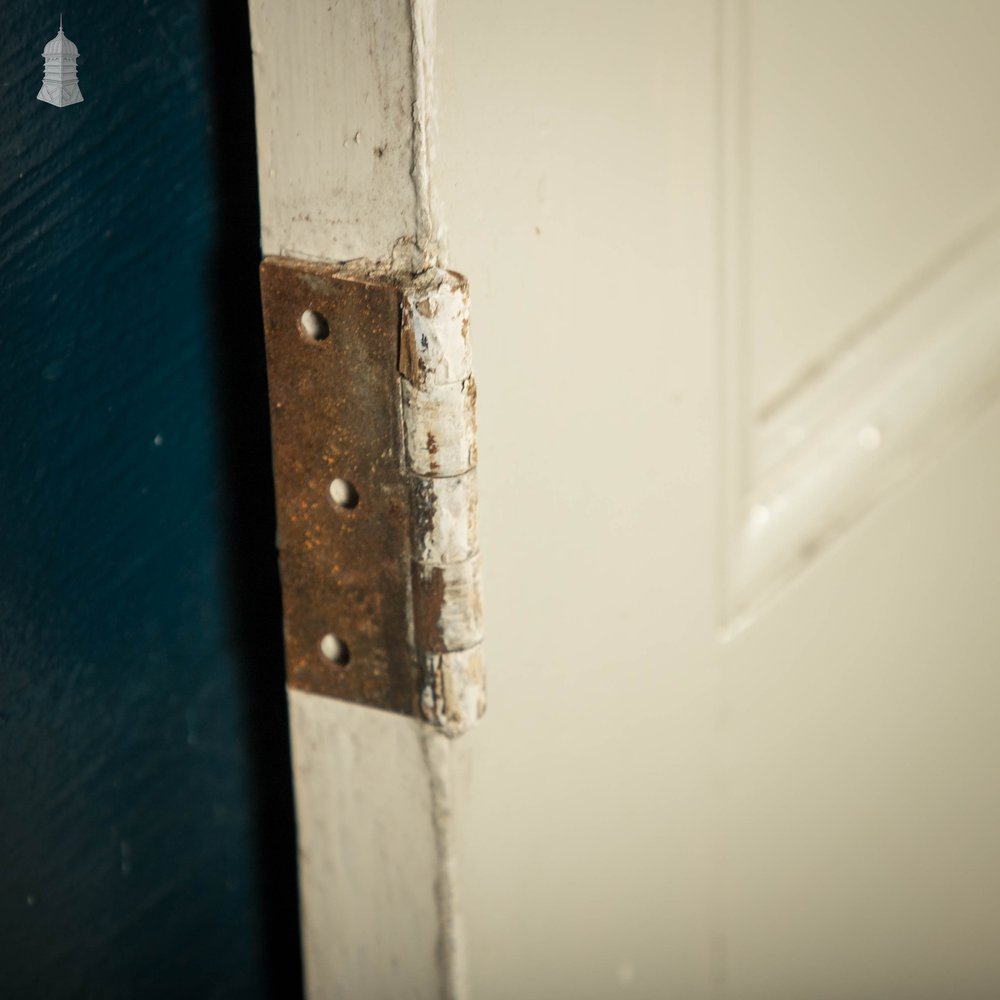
(59, 85)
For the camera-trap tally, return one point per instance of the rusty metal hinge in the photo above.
(373, 431)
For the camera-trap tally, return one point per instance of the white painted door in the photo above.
(735, 274)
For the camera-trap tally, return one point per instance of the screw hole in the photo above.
(334, 649)
(343, 494)
(313, 325)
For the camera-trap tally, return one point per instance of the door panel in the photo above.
(715, 765)
(870, 125)
(733, 272)
(860, 245)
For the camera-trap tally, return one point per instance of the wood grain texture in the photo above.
(372, 795)
(146, 830)
(341, 172)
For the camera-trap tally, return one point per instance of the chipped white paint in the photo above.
(428, 233)
(440, 428)
(454, 688)
(439, 393)
(446, 528)
(439, 432)
(345, 131)
(435, 330)
(456, 589)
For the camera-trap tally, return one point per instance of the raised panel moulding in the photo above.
(858, 453)
(808, 466)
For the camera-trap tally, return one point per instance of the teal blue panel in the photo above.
(146, 840)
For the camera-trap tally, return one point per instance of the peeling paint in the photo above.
(438, 398)
(444, 525)
(440, 428)
(454, 688)
(428, 233)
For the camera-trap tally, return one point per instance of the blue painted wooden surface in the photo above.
(146, 844)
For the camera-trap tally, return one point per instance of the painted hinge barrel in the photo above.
(438, 403)
(374, 441)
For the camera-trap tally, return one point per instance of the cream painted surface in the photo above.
(848, 358)
(811, 809)
(828, 89)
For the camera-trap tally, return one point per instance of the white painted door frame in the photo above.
(344, 131)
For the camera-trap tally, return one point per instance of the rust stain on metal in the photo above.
(345, 571)
(428, 605)
(447, 609)
(373, 428)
